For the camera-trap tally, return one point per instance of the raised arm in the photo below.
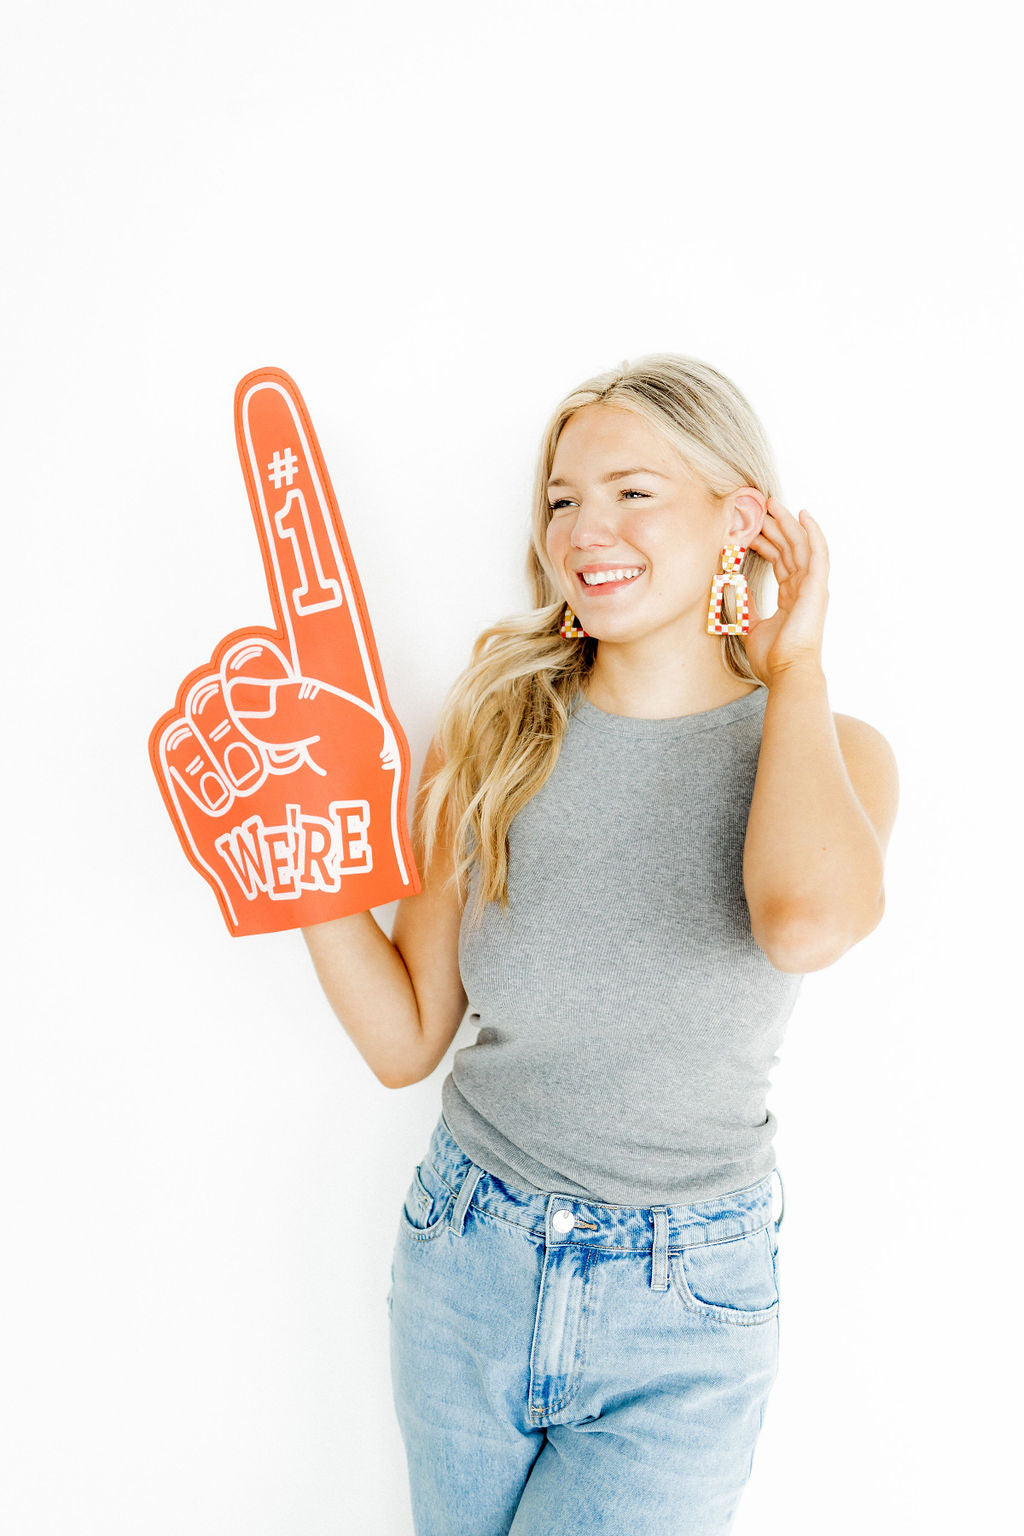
(827, 786)
(401, 1000)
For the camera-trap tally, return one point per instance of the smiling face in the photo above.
(657, 519)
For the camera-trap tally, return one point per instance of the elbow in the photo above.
(403, 1077)
(797, 954)
(803, 942)
(391, 1080)
(800, 947)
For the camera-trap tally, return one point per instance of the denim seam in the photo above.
(738, 1316)
(421, 1234)
(433, 1229)
(583, 1324)
(539, 1231)
(674, 1248)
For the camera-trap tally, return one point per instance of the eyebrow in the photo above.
(617, 474)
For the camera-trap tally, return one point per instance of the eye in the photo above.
(554, 505)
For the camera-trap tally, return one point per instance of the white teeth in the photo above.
(594, 578)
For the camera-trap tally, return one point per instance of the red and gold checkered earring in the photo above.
(730, 576)
(571, 629)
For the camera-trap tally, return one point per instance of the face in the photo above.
(657, 519)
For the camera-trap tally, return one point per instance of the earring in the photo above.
(569, 629)
(730, 576)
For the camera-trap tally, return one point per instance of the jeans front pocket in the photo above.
(733, 1280)
(427, 1203)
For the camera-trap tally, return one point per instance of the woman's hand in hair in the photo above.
(799, 557)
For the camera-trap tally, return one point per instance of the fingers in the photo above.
(250, 671)
(203, 751)
(206, 711)
(277, 710)
(195, 792)
(818, 543)
(312, 580)
(188, 768)
(295, 712)
(783, 540)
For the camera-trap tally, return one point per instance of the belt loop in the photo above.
(659, 1251)
(782, 1208)
(469, 1183)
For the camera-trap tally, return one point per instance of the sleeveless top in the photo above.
(628, 1022)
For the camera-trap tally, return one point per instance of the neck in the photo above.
(657, 689)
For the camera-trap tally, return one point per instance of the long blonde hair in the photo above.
(502, 723)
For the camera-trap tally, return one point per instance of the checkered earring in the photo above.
(571, 629)
(730, 576)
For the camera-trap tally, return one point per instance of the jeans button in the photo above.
(564, 1220)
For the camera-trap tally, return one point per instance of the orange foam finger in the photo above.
(282, 764)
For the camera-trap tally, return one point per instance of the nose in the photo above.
(590, 528)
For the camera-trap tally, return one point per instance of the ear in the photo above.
(745, 511)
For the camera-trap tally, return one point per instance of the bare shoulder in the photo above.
(871, 764)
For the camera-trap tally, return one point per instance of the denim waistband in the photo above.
(638, 1228)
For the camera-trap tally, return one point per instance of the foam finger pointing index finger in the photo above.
(314, 589)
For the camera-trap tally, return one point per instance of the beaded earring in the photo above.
(571, 629)
(730, 576)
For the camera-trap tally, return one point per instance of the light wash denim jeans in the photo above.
(566, 1367)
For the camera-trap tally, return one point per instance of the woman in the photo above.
(639, 824)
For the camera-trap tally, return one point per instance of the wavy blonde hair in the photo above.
(502, 723)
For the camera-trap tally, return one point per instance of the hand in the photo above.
(282, 765)
(799, 556)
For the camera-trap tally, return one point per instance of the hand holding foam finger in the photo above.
(283, 766)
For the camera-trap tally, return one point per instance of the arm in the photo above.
(821, 814)
(400, 1000)
(370, 990)
(827, 787)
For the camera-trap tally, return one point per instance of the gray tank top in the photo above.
(627, 1021)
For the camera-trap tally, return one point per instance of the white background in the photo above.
(438, 219)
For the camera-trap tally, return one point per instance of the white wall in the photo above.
(437, 219)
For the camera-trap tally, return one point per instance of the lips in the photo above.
(607, 586)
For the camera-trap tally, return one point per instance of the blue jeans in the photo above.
(564, 1366)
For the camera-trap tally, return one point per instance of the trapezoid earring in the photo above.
(570, 628)
(730, 576)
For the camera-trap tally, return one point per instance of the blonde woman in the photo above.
(635, 836)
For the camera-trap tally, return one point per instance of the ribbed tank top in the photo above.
(628, 1022)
